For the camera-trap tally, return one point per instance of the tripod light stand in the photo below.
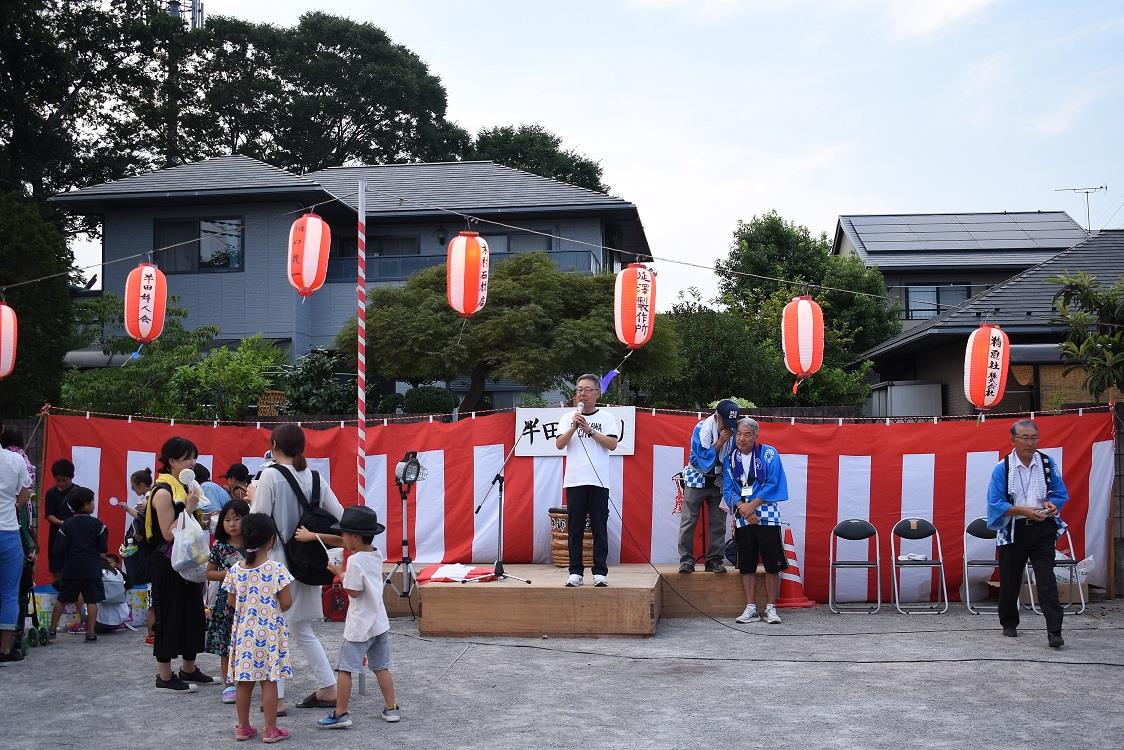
(408, 471)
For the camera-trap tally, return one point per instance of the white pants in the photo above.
(302, 635)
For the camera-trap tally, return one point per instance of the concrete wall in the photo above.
(258, 298)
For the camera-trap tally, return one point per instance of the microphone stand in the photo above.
(497, 482)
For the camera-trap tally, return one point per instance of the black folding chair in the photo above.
(978, 529)
(855, 530)
(918, 528)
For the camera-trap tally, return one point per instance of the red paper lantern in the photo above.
(309, 241)
(986, 359)
(466, 273)
(9, 329)
(802, 338)
(146, 298)
(634, 305)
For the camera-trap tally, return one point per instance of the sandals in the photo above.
(311, 701)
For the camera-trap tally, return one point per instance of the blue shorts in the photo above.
(377, 651)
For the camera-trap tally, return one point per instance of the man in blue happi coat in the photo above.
(1024, 499)
(753, 486)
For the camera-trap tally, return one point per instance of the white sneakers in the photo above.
(574, 581)
(600, 581)
(750, 615)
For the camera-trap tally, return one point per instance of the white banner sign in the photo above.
(537, 429)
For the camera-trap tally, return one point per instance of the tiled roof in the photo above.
(984, 240)
(466, 185)
(222, 174)
(1023, 303)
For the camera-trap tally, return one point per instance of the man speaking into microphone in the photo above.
(592, 434)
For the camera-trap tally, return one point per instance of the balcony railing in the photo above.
(401, 267)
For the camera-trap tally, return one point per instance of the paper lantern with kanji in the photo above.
(8, 336)
(802, 338)
(309, 240)
(146, 298)
(986, 359)
(466, 273)
(634, 305)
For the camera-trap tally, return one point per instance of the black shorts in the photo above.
(90, 589)
(762, 542)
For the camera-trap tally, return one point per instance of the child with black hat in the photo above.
(366, 631)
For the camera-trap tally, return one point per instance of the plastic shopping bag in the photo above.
(189, 549)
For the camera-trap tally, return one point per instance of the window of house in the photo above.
(528, 243)
(199, 245)
(924, 302)
(497, 243)
(393, 246)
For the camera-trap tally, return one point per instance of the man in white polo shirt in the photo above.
(592, 434)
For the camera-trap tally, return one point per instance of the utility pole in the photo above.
(1087, 191)
(176, 10)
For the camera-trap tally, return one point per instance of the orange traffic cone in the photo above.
(792, 588)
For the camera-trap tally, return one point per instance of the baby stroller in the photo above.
(35, 634)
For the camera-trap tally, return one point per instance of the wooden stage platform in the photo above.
(633, 602)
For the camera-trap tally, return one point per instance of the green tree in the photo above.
(320, 382)
(143, 385)
(541, 326)
(226, 383)
(1094, 343)
(535, 149)
(29, 248)
(772, 247)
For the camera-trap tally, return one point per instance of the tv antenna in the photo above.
(1087, 191)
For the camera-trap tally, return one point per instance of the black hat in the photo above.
(359, 519)
(728, 411)
(237, 472)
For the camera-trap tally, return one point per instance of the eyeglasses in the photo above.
(1027, 438)
(586, 390)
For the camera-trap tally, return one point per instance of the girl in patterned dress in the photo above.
(258, 592)
(226, 552)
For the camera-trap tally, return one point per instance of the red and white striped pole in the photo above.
(361, 346)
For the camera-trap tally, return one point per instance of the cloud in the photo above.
(984, 86)
(1063, 117)
(913, 19)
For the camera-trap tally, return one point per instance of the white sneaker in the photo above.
(600, 581)
(749, 615)
(771, 615)
(574, 581)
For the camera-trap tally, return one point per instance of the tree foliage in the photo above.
(226, 383)
(317, 384)
(734, 344)
(29, 248)
(535, 149)
(541, 326)
(1094, 343)
(143, 385)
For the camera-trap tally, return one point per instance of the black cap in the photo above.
(359, 519)
(237, 472)
(728, 411)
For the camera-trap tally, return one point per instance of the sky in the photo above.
(704, 113)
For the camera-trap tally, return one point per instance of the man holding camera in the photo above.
(1023, 501)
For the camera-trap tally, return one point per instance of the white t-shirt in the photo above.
(587, 461)
(13, 478)
(366, 615)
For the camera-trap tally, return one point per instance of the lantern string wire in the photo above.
(471, 220)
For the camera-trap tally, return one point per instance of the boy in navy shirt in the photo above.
(82, 545)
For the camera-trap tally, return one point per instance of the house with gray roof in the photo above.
(932, 353)
(219, 229)
(933, 262)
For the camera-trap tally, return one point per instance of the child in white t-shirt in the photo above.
(366, 632)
